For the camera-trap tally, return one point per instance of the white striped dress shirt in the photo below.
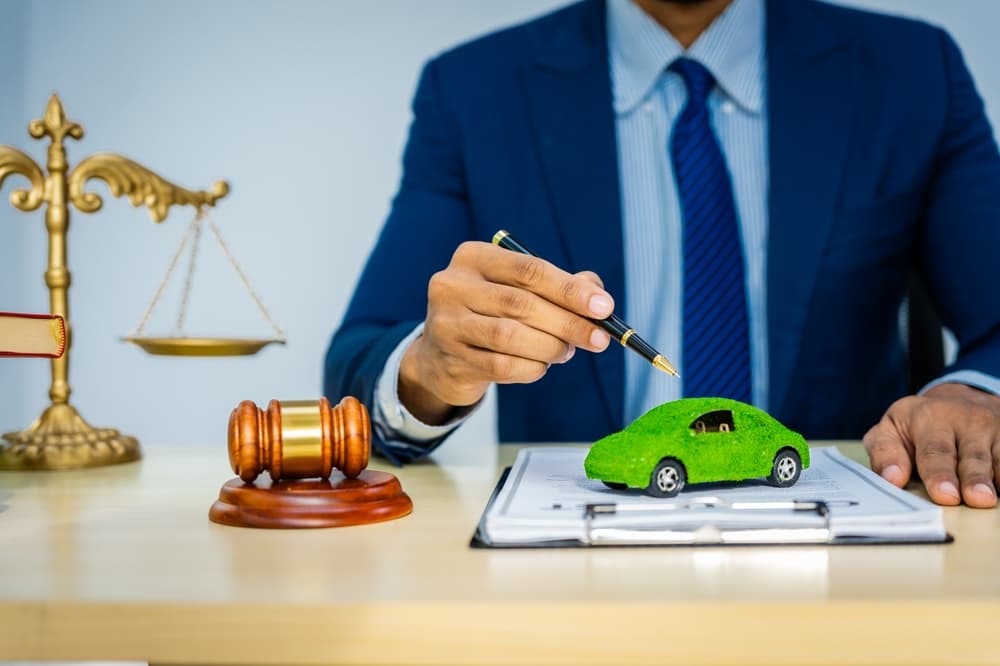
(647, 100)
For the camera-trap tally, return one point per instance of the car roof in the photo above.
(683, 412)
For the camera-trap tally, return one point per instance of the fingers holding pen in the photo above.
(512, 338)
(506, 303)
(533, 292)
(591, 276)
(496, 316)
(576, 293)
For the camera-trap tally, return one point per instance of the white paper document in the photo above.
(547, 499)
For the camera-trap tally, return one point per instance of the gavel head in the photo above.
(298, 439)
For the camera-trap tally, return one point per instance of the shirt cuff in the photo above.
(393, 421)
(973, 378)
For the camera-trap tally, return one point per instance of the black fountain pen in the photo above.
(621, 331)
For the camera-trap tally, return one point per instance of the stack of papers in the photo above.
(546, 500)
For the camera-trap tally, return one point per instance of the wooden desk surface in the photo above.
(123, 563)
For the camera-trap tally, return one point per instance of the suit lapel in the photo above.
(810, 104)
(569, 96)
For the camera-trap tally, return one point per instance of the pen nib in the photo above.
(664, 364)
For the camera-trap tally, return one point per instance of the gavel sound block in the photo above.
(315, 457)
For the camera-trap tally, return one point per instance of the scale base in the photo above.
(335, 502)
(61, 439)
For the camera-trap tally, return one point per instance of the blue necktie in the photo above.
(716, 340)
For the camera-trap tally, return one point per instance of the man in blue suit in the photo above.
(834, 149)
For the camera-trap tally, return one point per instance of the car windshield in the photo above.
(717, 421)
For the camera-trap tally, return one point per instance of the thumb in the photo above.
(889, 456)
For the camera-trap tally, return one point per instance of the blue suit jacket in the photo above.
(881, 159)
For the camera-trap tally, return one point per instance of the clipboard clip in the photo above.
(658, 531)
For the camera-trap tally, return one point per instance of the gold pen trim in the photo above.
(663, 364)
(499, 236)
(625, 336)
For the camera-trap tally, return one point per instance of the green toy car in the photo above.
(698, 440)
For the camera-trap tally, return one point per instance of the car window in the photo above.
(718, 421)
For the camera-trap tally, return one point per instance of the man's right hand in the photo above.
(494, 315)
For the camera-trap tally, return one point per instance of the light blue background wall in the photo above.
(303, 106)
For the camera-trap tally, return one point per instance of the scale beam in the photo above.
(142, 187)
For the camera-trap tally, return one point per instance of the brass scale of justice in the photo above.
(292, 440)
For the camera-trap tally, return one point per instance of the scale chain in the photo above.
(195, 229)
(188, 278)
(163, 283)
(245, 280)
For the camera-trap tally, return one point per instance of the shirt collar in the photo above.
(732, 49)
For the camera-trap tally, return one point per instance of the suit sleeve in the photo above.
(428, 220)
(958, 249)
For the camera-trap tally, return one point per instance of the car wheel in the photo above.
(786, 468)
(614, 485)
(667, 479)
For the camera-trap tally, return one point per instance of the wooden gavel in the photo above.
(298, 439)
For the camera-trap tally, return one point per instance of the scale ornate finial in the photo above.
(54, 123)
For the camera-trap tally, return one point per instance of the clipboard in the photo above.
(602, 525)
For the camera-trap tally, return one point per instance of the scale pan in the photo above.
(184, 346)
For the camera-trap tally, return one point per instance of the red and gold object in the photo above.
(23, 334)
(302, 464)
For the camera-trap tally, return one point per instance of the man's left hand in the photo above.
(949, 436)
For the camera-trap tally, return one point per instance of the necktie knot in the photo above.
(698, 80)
